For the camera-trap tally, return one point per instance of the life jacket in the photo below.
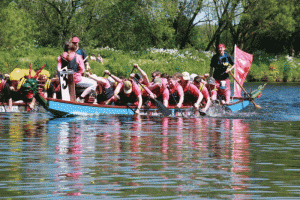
(73, 65)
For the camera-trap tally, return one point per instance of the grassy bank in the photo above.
(265, 67)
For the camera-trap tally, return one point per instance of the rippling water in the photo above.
(250, 155)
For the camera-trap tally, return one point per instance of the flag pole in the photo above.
(234, 86)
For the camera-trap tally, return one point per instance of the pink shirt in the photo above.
(163, 89)
(135, 88)
(203, 89)
(193, 90)
(76, 75)
(177, 88)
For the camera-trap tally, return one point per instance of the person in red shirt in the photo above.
(176, 92)
(200, 84)
(73, 61)
(192, 94)
(159, 87)
(127, 91)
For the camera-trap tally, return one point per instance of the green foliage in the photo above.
(17, 27)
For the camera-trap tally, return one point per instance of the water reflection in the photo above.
(130, 157)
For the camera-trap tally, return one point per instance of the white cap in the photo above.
(193, 76)
(186, 76)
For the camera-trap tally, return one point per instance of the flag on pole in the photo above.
(242, 66)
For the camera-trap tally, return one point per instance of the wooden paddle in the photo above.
(160, 106)
(252, 101)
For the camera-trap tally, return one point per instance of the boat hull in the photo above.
(61, 108)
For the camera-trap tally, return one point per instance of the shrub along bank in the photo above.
(265, 67)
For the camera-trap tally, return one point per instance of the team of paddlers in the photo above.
(178, 89)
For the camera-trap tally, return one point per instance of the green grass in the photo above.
(120, 63)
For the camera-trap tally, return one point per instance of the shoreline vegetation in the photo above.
(265, 67)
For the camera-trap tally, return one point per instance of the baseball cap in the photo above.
(75, 39)
(127, 87)
(222, 45)
(186, 76)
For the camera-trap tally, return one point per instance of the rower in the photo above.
(198, 82)
(192, 94)
(127, 91)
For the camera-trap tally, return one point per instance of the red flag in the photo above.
(242, 66)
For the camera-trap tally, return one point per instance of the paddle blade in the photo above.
(160, 106)
(256, 105)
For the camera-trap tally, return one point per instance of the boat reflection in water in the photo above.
(124, 156)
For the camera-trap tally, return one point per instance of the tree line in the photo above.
(254, 25)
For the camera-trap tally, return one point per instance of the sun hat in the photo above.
(75, 40)
(186, 76)
(192, 77)
(223, 85)
(211, 81)
(127, 87)
(157, 80)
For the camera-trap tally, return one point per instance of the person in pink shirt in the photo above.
(104, 89)
(159, 87)
(176, 92)
(199, 83)
(192, 94)
(72, 61)
(126, 92)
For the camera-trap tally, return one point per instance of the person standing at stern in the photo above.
(219, 68)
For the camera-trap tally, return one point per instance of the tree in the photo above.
(224, 11)
(263, 19)
(59, 20)
(18, 29)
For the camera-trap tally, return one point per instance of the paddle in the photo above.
(160, 106)
(252, 101)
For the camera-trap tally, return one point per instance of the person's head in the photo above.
(221, 49)
(197, 80)
(171, 81)
(192, 77)
(72, 47)
(176, 76)
(127, 87)
(164, 75)
(155, 74)
(185, 76)
(93, 54)
(157, 80)
(75, 41)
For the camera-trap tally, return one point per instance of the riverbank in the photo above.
(265, 67)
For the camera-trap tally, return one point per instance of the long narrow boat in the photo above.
(61, 108)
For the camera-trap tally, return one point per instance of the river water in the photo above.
(253, 154)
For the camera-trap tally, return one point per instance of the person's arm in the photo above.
(144, 75)
(197, 104)
(117, 90)
(99, 80)
(85, 60)
(140, 103)
(113, 76)
(181, 96)
(58, 67)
